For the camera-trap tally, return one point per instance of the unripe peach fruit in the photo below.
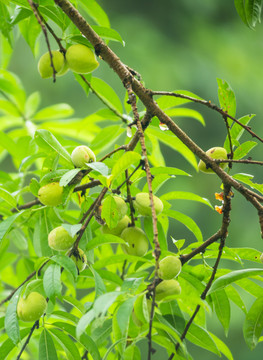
(169, 267)
(59, 239)
(167, 288)
(137, 240)
(44, 65)
(81, 59)
(214, 153)
(31, 308)
(82, 155)
(142, 204)
(51, 194)
(122, 224)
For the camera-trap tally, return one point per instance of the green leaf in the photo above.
(245, 178)
(95, 11)
(32, 103)
(236, 130)
(30, 29)
(7, 346)
(184, 112)
(226, 97)
(7, 143)
(234, 296)
(108, 95)
(124, 162)
(66, 178)
(253, 324)
(110, 212)
(167, 102)
(7, 197)
(51, 281)
(11, 322)
(108, 33)
(46, 140)
(47, 350)
(67, 263)
(244, 149)
(72, 229)
(7, 223)
(253, 12)
(100, 168)
(222, 308)
(67, 344)
(124, 313)
(100, 288)
(54, 112)
(182, 195)
(187, 221)
(168, 170)
(34, 285)
(42, 228)
(106, 137)
(174, 143)
(233, 276)
(240, 7)
(200, 337)
(222, 347)
(84, 322)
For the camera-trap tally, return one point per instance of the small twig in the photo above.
(85, 355)
(241, 161)
(36, 13)
(36, 325)
(84, 226)
(211, 106)
(117, 190)
(129, 197)
(157, 249)
(230, 140)
(123, 269)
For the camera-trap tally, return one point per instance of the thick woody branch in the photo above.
(146, 97)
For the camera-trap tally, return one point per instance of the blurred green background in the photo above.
(183, 44)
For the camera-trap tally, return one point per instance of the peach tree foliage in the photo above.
(114, 300)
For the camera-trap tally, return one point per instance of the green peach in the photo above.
(137, 240)
(142, 204)
(50, 194)
(31, 308)
(59, 239)
(169, 267)
(122, 224)
(167, 288)
(81, 59)
(44, 65)
(214, 153)
(82, 155)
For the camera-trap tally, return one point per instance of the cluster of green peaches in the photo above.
(78, 58)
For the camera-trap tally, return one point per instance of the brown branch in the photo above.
(157, 249)
(129, 198)
(229, 139)
(37, 16)
(26, 280)
(211, 106)
(241, 161)
(95, 205)
(36, 325)
(152, 107)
